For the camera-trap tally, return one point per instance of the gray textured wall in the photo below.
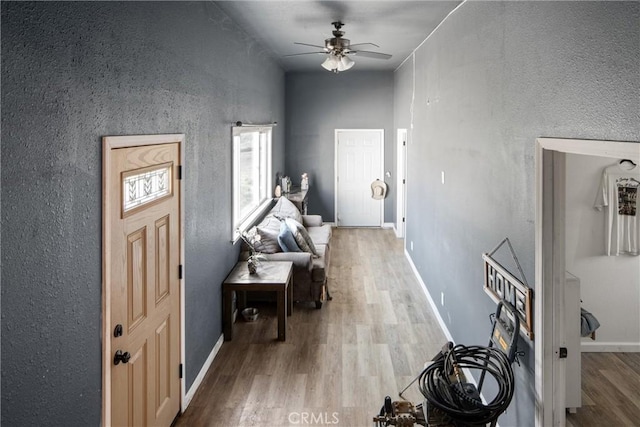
(403, 95)
(71, 73)
(491, 79)
(317, 103)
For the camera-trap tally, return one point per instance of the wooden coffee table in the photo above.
(276, 276)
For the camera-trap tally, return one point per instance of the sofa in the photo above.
(287, 235)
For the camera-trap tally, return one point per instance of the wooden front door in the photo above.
(143, 284)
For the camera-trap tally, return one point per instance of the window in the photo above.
(251, 175)
(145, 186)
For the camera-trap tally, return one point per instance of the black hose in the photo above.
(445, 390)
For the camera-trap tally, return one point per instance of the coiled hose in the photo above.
(441, 383)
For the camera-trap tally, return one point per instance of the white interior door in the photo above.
(401, 184)
(359, 157)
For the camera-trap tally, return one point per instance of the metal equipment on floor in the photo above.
(450, 399)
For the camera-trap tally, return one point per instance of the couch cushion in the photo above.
(301, 261)
(286, 240)
(320, 235)
(285, 209)
(301, 235)
(312, 220)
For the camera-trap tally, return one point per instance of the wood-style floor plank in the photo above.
(610, 391)
(339, 362)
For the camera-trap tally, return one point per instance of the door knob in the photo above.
(121, 357)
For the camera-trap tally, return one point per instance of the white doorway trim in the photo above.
(401, 182)
(336, 168)
(110, 143)
(550, 265)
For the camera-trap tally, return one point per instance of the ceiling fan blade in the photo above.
(307, 44)
(362, 44)
(305, 53)
(369, 54)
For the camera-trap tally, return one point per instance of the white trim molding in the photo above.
(610, 347)
(443, 325)
(203, 371)
(432, 303)
(549, 295)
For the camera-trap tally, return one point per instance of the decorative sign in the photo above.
(500, 285)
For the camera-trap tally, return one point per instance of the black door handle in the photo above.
(117, 332)
(121, 357)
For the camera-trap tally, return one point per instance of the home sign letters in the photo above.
(500, 285)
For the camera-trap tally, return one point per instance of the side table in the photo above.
(276, 276)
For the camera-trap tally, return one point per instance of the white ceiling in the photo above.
(398, 27)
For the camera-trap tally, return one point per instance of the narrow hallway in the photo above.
(338, 363)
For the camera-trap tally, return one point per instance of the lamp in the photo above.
(345, 63)
(331, 63)
(337, 62)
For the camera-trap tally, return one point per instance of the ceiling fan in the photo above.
(339, 49)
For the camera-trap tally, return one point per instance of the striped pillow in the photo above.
(302, 236)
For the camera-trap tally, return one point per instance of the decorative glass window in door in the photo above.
(144, 186)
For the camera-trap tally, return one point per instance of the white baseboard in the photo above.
(203, 371)
(443, 325)
(609, 347)
(388, 225)
(432, 303)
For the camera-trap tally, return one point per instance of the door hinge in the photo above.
(402, 219)
(180, 371)
(180, 272)
(179, 171)
(563, 353)
(404, 181)
(404, 143)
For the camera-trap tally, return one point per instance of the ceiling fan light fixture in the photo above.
(345, 63)
(338, 50)
(331, 63)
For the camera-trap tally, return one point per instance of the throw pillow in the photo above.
(271, 223)
(284, 208)
(268, 242)
(302, 236)
(286, 240)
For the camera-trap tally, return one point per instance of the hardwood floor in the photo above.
(610, 390)
(339, 362)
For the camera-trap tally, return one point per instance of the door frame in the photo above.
(335, 168)
(550, 264)
(110, 143)
(401, 183)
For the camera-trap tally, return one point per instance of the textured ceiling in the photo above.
(398, 27)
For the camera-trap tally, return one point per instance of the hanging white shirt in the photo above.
(619, 194)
